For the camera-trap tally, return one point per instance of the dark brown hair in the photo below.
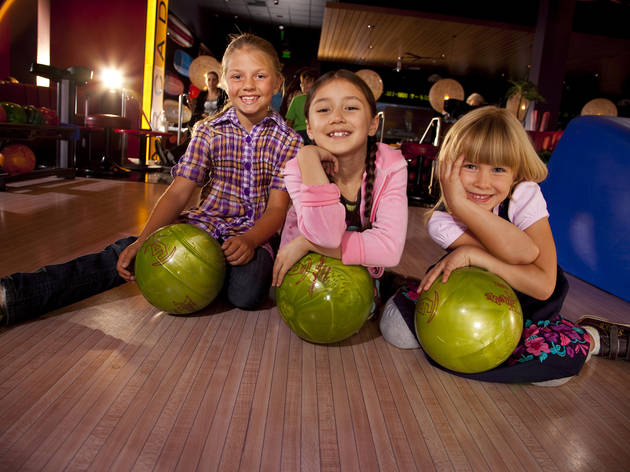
(370, 158)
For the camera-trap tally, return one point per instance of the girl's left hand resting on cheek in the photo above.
(463, 256)
(238, 250)
(287, 256)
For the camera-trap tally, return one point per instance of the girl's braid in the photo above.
(370, 170)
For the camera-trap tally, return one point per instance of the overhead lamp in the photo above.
(600, 106)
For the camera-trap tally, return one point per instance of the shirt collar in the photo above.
(230, 116)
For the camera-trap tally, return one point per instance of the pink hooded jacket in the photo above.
(318, 214)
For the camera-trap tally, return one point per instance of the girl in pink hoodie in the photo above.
(348, 191)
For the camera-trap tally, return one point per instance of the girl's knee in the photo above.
(394, 328)
(246, 298)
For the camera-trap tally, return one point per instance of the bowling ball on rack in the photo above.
(50, 116)
(15, 113)
(17, 159)
(180, 269)
(323, 300)
(471, 323)
(33, 115)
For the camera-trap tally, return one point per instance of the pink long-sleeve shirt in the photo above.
(318, 214)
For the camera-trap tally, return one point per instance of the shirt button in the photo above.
(248, 139)
(246, 191)
(247, 166)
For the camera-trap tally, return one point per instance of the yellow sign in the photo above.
(154, 62)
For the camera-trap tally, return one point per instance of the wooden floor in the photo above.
(111, 383)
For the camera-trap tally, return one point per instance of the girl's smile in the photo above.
(251, 82)
(486, 185)
(340, 119)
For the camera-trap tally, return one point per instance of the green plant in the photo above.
(526, 89)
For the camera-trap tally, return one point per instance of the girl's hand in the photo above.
(330, 164)
(287, 256)
(238, 250)
(452, 188)
(310, 158)
(125, 259)
(461, 257)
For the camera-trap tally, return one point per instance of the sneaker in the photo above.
(613, 337)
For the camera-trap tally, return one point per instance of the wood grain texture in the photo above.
(112, 383)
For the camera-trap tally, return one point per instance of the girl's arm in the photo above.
(320, 214)
(293, 251)
(167, 208)
(485, 229)
(383, 244)
(314, 162)
(240, 249)
(537, 279)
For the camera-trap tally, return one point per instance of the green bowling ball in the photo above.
(180, 269)
(324, 301)
(471, 323)
(14, 113)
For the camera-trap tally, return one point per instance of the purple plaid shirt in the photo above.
(237, 170)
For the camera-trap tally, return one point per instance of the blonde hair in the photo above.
(493, 136)
(245, 41)
(251, 41)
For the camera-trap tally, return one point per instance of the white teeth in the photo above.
(249, 99)
(338, 133)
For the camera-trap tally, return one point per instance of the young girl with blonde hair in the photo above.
(237, 157)
(492, 215)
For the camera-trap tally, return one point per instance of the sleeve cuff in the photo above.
(351, 248)
(319, 195)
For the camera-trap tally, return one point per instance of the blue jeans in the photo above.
(28, 295)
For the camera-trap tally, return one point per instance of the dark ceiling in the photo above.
(600, 43)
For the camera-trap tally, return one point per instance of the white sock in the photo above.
(594, 334)
(553, 382)
(394, 328)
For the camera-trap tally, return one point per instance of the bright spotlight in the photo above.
(111, 78)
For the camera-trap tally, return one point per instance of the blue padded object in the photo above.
(588, 196)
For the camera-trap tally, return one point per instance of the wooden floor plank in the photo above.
(198, 432)
(327, 426)
(152, 447)
(67, 436)
(366, 448)
(271, 450)
(263, 406)
(570, 418)
(111, 383)
(190, 410)
(465, 453)
(376, 416)
(225, 410)
(346, 440)
(309, 432)
(292, 428)
(106, 438)
(123, 446)
(413, 433)
(420, 398)
(241, 416)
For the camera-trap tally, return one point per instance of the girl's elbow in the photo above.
(328, 241)
(544, 292)
(523, 257)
